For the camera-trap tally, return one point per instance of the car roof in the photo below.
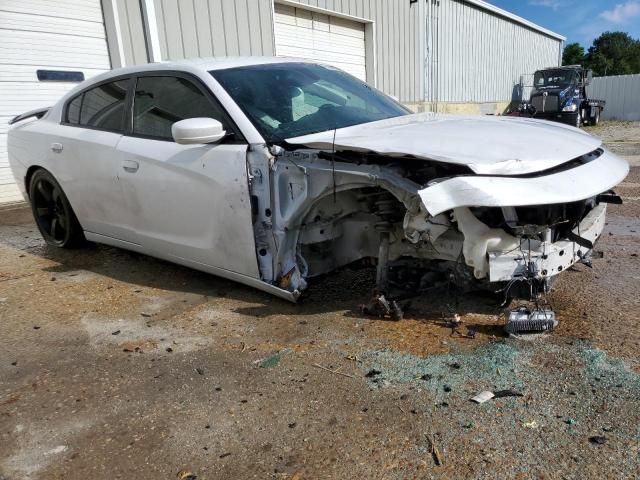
(191, 65)
(220, 63)
(204, 64)
(201, 65)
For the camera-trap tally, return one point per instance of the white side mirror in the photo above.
(197, 131)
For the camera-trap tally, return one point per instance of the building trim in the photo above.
(150, 25)
(115, 46)
(326, 11)
(503, 13)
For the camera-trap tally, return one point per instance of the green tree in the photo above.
(614, 53)
(573, 54)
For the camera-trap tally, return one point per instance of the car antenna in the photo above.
(333, 163)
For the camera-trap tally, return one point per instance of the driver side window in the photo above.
(161, 101)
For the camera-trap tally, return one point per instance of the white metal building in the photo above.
(448, 55)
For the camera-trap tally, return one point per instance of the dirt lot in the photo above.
(115, 365)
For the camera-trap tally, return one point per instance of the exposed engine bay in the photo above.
(421, 221)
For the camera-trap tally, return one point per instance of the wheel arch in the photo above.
(29, 175)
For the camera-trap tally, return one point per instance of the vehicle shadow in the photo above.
(343, 291)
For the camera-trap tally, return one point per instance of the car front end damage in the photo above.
(426, 222)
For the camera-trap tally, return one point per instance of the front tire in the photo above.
(578, 123)
(53, 213)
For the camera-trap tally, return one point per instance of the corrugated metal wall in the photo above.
(472, 55)
(214, 28)
(479, 56)
(622, 94)
(397, 38)
(192, 28)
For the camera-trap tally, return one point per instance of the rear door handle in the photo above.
(130, 166)
(56, 147)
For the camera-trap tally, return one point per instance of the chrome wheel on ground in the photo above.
(578, 119)
(53, 213)
(596, 118)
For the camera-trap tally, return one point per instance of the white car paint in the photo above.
(584, 181)
(191, 201)
(194, 204)
(554, 258)
(488, 145)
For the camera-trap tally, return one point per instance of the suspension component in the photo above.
(385, 209)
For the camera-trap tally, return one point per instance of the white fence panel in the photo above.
(622, 94)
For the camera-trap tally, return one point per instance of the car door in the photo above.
(83, 158)
(187, 202)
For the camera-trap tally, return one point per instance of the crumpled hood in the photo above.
(488, 145)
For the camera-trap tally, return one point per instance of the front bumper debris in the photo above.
(564, 186)
(546, 259)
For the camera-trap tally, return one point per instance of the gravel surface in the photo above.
(622, 138)
(115, 365)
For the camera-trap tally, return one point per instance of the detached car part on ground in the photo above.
(300, 169)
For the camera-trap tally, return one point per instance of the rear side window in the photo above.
(101, 107)
(73, 110)
(159, 102)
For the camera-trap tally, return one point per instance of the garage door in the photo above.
(324, 38)
(43, 35)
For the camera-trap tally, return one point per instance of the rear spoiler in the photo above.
(38, 113)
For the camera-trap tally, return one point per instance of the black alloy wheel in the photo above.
(53, 213)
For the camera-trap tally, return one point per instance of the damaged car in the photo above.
(272, 171)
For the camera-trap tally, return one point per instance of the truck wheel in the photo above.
(595, 120)
(578, 119)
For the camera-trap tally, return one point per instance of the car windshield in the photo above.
(287, 100)
(553, 79)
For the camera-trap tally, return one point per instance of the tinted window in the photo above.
(73, 110)
(103, 106)
(159, 102)
(291, 99)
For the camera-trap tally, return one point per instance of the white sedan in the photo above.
(270, 171)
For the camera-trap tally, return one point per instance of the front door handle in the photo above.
(56, 147)
(130, 166)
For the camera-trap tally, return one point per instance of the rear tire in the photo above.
(53, 213)
(596, 118)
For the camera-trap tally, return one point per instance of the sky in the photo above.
(579, 20)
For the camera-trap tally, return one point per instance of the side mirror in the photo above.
(197, 131)
(589, 77)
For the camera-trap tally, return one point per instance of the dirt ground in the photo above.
(116, 366)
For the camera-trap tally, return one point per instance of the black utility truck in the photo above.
(560, 94)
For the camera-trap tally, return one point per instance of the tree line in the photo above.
(612, 53)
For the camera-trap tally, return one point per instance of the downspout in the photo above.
(436, 77)
(561, 51)
(422, 53)
(429, 27)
